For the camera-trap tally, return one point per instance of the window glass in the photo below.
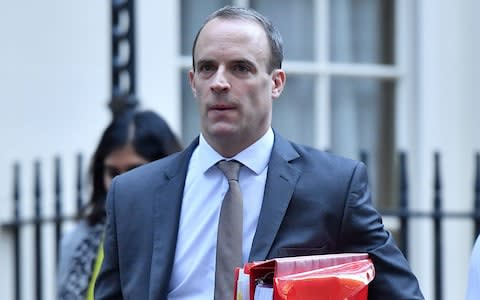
(294, 20)
(362, 31)
(361, 109)
(293, 114)
(193, 13)
(362, 114)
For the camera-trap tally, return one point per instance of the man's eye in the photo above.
(205, 68)
(241, 68)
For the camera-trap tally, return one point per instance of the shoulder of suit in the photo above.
(309, 151)
(156, 170)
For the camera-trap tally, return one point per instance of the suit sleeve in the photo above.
(107, 285)
(362, 230)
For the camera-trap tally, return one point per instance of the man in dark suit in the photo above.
(160, 241)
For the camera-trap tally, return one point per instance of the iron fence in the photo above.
(403, 213)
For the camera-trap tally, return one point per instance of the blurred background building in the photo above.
(378, 77)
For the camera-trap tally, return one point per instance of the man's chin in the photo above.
(222, 130)
(223, 134)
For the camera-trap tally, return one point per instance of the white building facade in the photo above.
(380, 76)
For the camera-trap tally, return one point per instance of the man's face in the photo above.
(232, 85)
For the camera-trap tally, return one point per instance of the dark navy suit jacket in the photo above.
(314, 203)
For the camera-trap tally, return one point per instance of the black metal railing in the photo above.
(38, 231)
(15, 229)
(438, 215)
(39, 220)
(403, 213)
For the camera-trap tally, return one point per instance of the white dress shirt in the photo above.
(193, 274)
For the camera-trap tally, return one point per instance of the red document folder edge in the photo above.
(345, 281)
(311, 275)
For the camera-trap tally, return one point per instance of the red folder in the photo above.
(332, 276)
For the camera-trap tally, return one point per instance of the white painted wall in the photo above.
(55, 86)
(448, 100)
(54, 80)
(157, 48)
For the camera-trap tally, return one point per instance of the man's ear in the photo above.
(278, 79)
(191, 80)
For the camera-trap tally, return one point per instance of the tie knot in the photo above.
(230, 168)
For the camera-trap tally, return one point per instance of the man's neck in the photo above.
(230, 145)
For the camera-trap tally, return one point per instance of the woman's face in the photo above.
(120, 161)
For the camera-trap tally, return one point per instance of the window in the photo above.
(342, 75)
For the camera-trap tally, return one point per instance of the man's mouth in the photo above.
(221, 107)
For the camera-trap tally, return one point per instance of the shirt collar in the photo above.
(255, 157)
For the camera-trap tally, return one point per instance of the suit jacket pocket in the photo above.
(288, 252)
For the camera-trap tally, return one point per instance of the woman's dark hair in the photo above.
(151, 138)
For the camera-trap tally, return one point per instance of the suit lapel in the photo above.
(166, 212)
(281, 180)
(282, 177)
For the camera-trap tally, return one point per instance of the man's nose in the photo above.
(220, 83)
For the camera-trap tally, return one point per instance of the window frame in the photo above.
(324, 70)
